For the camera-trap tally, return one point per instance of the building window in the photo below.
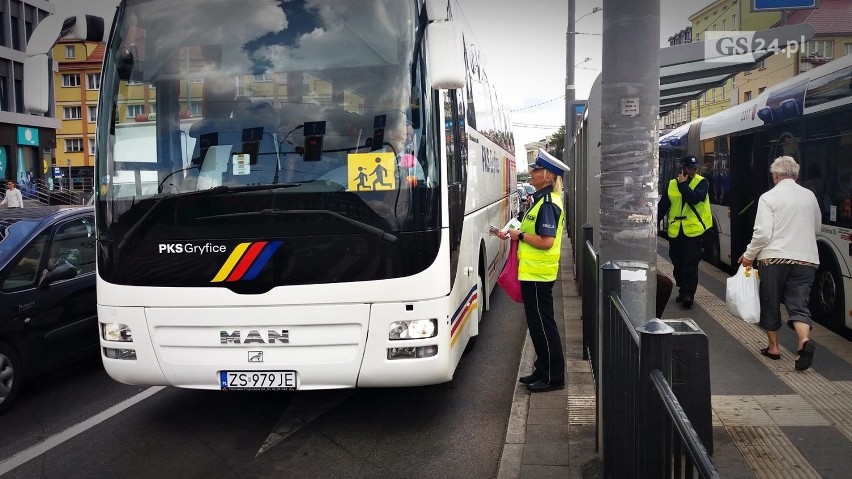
(734, 22)
(240, 88)
(761, 90)
(73, 145)
(133, 110)
(4, 93)
(747, 96)
(847, 47)
(71, 79)
(16, 33)
(91, 146)
(196, 109)
(263, 77)
(93, 114)
(69, 51)
(93, 81)
(72, 112)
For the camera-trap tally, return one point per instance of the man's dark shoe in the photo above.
(688, 300)
(542, 387)
(525, 380)
(680, 297)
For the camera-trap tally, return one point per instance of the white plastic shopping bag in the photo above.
(742, 294)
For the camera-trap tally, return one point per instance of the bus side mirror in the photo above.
(37, 90)
(445, 48)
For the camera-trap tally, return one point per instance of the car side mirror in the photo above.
(59, 273)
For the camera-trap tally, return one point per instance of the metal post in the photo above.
(630, 89)
(585, 284)
(655, 352)
(610, 284)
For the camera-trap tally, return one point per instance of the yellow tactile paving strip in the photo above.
(755, 422)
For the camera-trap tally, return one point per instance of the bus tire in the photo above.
(711, 247)
(827, 300)
(11, 376)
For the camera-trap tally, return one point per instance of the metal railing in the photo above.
(53, 193)
(642, 429)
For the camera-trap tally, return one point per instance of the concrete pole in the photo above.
(569, 78)
(630, 87)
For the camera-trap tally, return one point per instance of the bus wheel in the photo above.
(11, 372)
(711, 247)
(827, 301)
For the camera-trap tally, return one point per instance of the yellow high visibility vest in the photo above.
(536, 264)
(682, 215)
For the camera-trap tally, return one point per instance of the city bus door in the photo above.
(748, 169)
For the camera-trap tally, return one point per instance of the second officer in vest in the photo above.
(539, 241)
(687, 207)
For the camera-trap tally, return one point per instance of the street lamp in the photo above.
(569, 69)
(594, 10)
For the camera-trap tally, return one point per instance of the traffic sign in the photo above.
(767, 5)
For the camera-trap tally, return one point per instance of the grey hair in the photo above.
(785, 166)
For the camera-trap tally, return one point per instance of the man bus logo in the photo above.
(255, 337)
(246, 261)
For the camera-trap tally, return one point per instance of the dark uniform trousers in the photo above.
(685, 253)
(538, 305)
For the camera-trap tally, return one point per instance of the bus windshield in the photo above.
(291, 108)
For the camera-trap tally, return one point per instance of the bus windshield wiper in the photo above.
(377, 232)
(217, 190)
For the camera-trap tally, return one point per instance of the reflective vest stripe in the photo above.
(681, 215)
(535, 264)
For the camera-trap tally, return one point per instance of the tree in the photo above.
(556, 143)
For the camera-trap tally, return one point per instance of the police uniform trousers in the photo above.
(549, 364)
(685, 253)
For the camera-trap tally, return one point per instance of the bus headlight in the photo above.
(116, 332)
(414, 329)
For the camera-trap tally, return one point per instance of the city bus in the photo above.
(306, 200)
(808, 117)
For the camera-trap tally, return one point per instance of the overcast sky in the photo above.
(524, 46)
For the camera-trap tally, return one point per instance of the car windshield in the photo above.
(12, 235)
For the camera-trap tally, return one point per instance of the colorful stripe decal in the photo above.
(462, 314)
(262, 259)
(246, 261)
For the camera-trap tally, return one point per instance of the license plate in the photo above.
(258, 380)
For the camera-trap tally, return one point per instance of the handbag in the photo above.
(508, 279)
(742, 294)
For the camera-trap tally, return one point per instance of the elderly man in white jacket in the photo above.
(784, 246)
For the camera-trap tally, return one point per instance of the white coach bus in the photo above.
(808, 117)
(310, 208)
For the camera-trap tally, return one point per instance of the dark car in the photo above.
(47, 292)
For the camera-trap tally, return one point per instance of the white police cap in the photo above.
(549, 162)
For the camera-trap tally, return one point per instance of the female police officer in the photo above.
(540, 237)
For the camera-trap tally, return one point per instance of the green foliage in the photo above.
(556, 143)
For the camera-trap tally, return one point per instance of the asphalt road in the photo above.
(78, 422)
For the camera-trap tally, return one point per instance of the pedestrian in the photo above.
(13, 197)
(785, 249)
(687, 206)
(539, 240)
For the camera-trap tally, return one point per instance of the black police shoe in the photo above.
(525, 380)
(542, 387)
(688, 300)
(680, 297)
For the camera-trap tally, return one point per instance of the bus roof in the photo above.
(799, 94)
